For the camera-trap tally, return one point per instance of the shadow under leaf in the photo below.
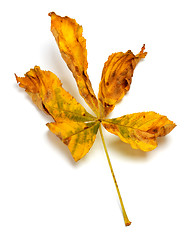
(125, 149)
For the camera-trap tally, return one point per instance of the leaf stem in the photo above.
(126, 220)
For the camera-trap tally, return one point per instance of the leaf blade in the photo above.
(116, 78)
(47, 93)
(140, 130)
(72, 45)
(78, 136)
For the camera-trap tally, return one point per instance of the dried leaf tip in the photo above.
(142, 54)
(50, 14)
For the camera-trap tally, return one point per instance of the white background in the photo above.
(44, 194)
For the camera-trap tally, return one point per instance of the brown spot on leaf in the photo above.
(125, 83)
(155, 130)
(143, 136)
(110, 127)
(45, 109)
(77, 70)
(67, 140)
(84, 74)
(113, 74)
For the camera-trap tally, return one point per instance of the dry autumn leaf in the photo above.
(116, 78)
(72, 123)
(72, 45)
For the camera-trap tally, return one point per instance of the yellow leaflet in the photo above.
(140, 130)
(74, 125)
(116, 78)
(47, 93)
(78, 136)
(72, 45)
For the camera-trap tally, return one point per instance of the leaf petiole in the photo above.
(126, 220)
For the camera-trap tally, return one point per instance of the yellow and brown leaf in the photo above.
(73, 124)
(72, 45)
(47, 93)
(116, 78)
(140, 130)
(78, 136)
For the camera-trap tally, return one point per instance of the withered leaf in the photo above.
(78, 136)
(140, 130)
(116, 78)
(72, 45)
(72, 123)
(47, 93)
